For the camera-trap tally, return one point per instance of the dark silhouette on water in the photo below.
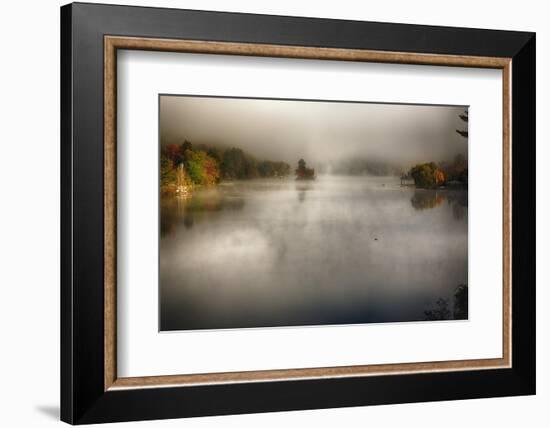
(303, 172)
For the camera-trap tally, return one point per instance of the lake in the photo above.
(336, 250)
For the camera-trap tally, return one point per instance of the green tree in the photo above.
(233, 163)
(250, 168)
(273, 169)
(202, 168)
(215, 154)
(265, 169)
(424, 175)
(184, 148)
(236, 164)
(194, 168)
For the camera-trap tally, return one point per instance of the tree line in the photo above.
(184, 165)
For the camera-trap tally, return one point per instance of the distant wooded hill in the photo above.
(360, 166)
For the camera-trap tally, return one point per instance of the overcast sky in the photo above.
(320, 132)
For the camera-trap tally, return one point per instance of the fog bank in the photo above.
(320, 132)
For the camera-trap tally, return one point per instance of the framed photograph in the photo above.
(266, 213)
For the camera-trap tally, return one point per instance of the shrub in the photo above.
(428, 175)
(424, 175)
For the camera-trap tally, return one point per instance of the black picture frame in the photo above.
(83, 397)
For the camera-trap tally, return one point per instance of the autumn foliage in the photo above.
(430, 175)
(184, 166)
(426, 175)
(181, 167)
(439, 177)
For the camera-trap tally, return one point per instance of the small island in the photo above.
(303, 172)
(445, 174)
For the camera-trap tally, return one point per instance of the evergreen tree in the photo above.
(464, 118)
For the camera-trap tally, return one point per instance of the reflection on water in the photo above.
(424, 199)
(301, 188)
(186, 209)
(337, 250)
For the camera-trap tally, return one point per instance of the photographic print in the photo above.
(281, 212)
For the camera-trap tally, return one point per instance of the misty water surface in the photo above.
(337, 250)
